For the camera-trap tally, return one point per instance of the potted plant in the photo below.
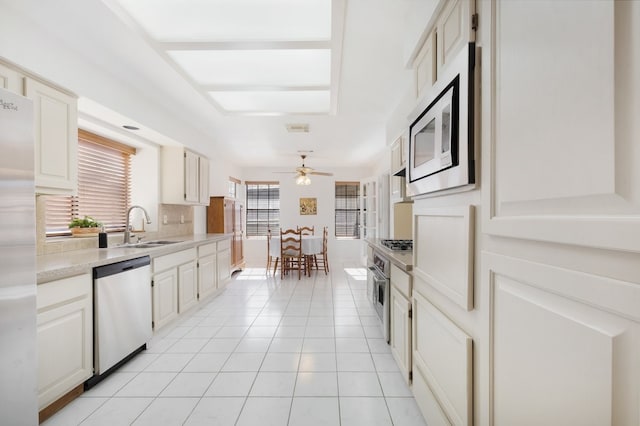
(87, 227)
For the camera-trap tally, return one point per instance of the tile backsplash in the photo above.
(179, 221)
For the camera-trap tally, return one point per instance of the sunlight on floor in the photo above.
(358, 274)
(251, 274)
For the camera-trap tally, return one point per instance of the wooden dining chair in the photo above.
(306, 230)
(309, 260)
(270, 258)
(321, 259)
(290, 251)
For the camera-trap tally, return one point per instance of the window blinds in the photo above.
(263, 208)
(104, 187)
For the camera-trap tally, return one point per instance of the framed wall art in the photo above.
(308, 206)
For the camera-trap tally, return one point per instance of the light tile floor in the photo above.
(264, 352)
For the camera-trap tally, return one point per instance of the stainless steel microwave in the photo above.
(441, 136)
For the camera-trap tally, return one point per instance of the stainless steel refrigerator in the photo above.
(18, 354)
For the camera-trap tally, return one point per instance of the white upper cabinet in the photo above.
(10, 79)
(425, 66)
(185, 177)
(453, 28)
(55, 130)
(56, 138)
(397, 155)
(191, 177)
(397, 186)
(203, 183)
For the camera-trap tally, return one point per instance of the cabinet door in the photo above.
(224, 267)
(454, 30)
(396, 187)
(203, 180)
(165, 297)
(206, 275)
(56, 139)
(187, 286)
(396, 155)
(425, 66)
(401, 331)
(10, 80)
(65, 336)
(191, 177)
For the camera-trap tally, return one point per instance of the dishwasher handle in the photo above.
(119, 267)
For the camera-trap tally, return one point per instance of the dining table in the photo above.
(311, 244)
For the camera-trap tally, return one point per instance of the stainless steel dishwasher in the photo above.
(122, 314)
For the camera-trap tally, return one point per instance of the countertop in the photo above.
(67, 264)
(403, 259)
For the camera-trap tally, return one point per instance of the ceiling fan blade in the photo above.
(289, 173)
(320, 173)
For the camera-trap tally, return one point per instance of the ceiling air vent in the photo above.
(298, 127)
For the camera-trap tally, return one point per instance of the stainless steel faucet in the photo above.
(127, 230)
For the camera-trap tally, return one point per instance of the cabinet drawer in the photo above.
(401, 280)
(206, 249)
(224, 245)
(172, 260)
(64, 290)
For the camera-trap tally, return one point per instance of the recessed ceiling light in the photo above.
(297, 127)
(126, 126)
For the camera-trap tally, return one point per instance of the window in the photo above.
(263, 207)
(233, 187)
(104, 187)
(347, 209)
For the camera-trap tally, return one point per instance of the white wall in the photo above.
(323, 189)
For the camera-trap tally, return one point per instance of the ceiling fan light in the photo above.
(303, 180)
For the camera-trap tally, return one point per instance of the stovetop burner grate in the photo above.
(398, 244)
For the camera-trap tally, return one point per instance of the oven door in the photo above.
(380, 298)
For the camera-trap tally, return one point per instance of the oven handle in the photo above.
(377, 273)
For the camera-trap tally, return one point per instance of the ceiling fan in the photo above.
(303, 173)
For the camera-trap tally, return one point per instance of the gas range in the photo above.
(397, 244)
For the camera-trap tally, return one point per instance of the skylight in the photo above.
(272, 67)
(292, 102)
(248, 56)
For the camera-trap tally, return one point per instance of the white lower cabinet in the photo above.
(165, 297)
(400, 315)
(65, 336)
(207, 267)
(183, 278)
(224, 262)
(401, 332)
(175, 285)
(187, 286)
(442, 365)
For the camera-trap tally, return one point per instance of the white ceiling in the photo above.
(362, 93)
